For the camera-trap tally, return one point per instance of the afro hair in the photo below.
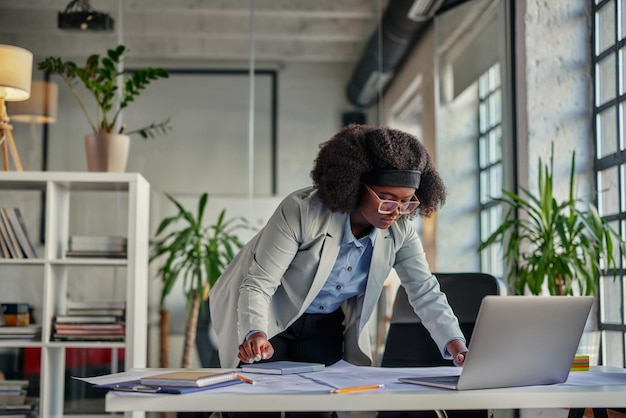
(358, 149)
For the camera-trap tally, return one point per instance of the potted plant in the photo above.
(196, 254)
(107, 149)
(563, 246)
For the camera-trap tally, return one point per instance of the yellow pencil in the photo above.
(245, 379)
(356, 388)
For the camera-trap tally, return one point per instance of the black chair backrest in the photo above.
(408, 342)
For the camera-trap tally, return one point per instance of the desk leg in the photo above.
(580, 413)
(576, 413)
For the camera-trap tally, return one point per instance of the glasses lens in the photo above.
(387, 206)
(408, 207)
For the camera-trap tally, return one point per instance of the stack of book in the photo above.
(29, 408)
(13, 400)
(97, 246)
(28, 333)
(14, 240)
(91, 321)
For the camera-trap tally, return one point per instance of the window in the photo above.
(609, 71)
(490, 165)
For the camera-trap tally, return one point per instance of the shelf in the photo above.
(90, 261)
(23, 261)
(77, 203)
(20, 343)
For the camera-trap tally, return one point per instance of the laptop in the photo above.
(519, 341)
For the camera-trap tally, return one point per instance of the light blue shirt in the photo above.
(348, 276)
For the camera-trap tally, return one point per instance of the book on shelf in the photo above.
(13, 392)
(31, 332)
(109, 338)
(61, 328)
(9, 237)
(112, 244)
(16, 397)
(282, 367)
(98, 239)
(96, 254)
(188, 378)
(19, 229)
(97, 246)
(96, 312)
(88, 332)
(95, 304)
(86, 319)
(27, 408)
(4, 249)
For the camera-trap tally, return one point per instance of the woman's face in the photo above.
(370, 206)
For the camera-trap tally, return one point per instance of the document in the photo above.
(196, 379)
(282, 367)
(135, 386)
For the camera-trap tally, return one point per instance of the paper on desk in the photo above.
(596, 379)
(338, 375)
(116, 377)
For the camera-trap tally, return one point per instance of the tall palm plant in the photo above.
(197, 254)
(562, 244)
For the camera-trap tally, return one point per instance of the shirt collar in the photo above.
(348, 237)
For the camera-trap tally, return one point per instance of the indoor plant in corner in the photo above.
(196, 254)
(107, 146)
(562, 246)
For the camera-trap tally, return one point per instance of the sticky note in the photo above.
(580, 363)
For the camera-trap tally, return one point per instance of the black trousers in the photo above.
(316, 338)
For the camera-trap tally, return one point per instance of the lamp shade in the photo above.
(16, 69)
(41, 107)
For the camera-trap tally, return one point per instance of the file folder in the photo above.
(135, 386)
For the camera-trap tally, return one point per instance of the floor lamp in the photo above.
(16, 66)
(40, 108)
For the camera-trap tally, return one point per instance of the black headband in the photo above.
(396, 178)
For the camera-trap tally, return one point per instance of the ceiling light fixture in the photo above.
(79, 15)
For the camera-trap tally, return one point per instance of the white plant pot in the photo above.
(107, 152)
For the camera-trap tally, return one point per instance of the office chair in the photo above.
(409, 344)
(207, 351)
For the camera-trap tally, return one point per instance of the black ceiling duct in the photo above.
(400, 26)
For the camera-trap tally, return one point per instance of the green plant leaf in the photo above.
(191, 252)
(546, 241)
(99, 76)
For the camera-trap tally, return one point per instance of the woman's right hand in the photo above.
(257, 347)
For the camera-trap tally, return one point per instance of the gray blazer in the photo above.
(276, 276)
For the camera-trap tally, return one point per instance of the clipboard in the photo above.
(135, 386)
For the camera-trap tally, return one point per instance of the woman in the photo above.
(305, 286)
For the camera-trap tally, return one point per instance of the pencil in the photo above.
(245, 379)
(355, 388)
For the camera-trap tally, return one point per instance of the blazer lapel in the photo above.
(329, 253)
(379, 270)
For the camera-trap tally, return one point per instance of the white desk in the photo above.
(391, 398)
(518, 398)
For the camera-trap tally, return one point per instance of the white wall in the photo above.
(557, 73)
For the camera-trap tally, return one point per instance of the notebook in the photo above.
(519, 341)
(282, 367)
(188, 378)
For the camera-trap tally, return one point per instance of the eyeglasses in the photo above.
(385, 207)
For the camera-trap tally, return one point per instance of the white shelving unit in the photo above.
(78, 203)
